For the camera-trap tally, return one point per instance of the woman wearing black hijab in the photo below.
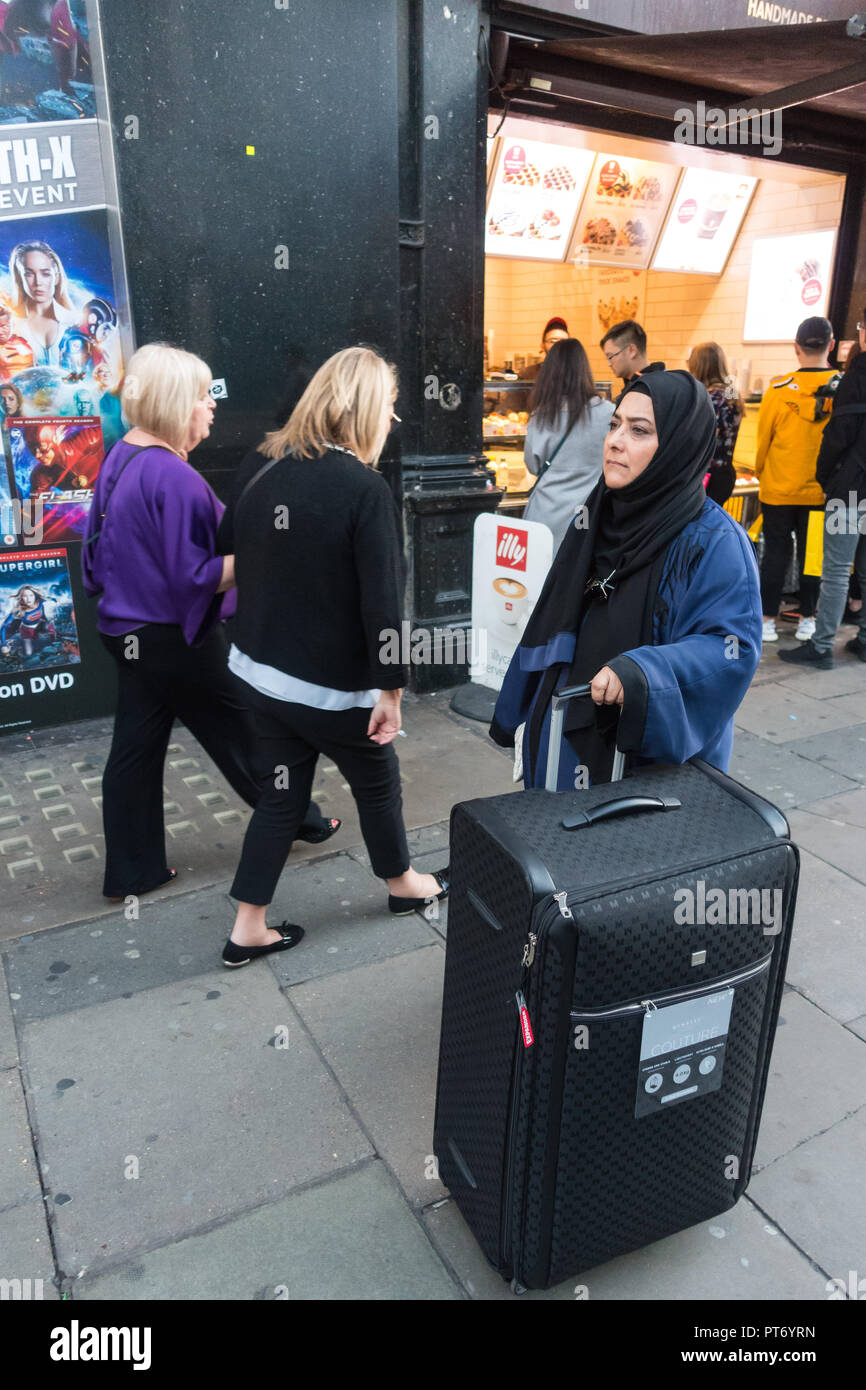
(653, 598)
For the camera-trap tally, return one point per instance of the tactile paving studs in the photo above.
(80, 852)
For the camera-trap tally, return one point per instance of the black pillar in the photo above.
(258, 187)
(443, 110)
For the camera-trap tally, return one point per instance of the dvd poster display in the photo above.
(55, 464)
(38, 630)
(45, 67)
(59, 342)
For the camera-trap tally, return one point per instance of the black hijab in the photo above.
(603, 582)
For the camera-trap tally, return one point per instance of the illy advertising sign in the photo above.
(510, 561)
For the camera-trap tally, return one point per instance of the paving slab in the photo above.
(827, 962)
(25, 1249)
(818, 1196)
(8, 1041)
(771, 669)
(185, 1085)
(52, 849)
(848, 807)
(852, 705)
(344, 909)
(831, 839)
(109, 957)
(842, 751)
(424, 839)
(781, 773)
(848, 677)
(378, 1027)
(858, 1026)
(19, 1175)
(782, 715)
(817, 1078)
(351, 1238)
(733, 1258)
(442, 762)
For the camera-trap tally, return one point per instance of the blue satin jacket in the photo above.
(682, 691)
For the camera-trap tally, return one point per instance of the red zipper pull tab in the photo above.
(525, 1025)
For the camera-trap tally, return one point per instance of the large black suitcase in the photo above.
(614, 967)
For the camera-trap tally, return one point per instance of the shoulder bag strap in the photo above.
(548, 461)
(120, 472)
(260, 473)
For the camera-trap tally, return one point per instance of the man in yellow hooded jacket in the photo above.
(789, 440)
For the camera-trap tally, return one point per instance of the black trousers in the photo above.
(289, 739)
(779, 524)
(161, 679)
(721, 483)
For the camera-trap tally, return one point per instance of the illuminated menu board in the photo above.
(789, 281)
(533, 199)
(622, 211)
(704, 220)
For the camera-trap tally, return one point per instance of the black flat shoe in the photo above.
(318, 837)
(242, 955)
(401, 907)
(172, 875)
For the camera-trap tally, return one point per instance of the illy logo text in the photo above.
(510, 548)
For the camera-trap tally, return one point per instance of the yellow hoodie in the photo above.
(789, 439)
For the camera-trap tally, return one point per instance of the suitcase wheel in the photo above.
(517, 1287)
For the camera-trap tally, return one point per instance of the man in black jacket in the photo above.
(841, 471)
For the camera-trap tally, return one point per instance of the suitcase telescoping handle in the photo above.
(557, 718)
(622, 805)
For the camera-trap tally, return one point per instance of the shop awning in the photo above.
(815, 67)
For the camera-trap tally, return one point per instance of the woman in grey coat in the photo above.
(565, 437)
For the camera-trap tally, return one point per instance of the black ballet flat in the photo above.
(401, 907)
(172, 875)
(318, 837)
(234, 955)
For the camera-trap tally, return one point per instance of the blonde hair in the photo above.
(346, 403)
(162, 386)
(23, 298)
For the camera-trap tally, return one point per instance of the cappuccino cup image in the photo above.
(510, 599)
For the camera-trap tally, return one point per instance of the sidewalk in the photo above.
(172, 1129)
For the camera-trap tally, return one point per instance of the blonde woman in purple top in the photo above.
(150, 557)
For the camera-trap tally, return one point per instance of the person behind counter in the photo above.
(565, 437)
(555, 330)
(624, 346)
(707, 363)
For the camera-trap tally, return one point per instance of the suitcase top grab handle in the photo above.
(620, 807)
(557, 718)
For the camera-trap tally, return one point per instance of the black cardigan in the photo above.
(318, 597)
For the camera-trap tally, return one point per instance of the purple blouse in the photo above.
(155, 558)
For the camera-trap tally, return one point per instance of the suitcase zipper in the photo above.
(670, 996)
(576, 896)
(531, 944)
